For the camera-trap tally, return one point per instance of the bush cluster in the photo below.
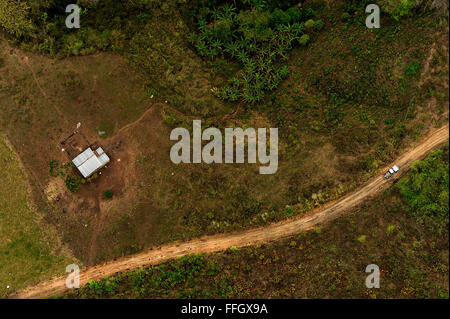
(257, 38)
(426, 189)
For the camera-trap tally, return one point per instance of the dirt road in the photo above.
(266, 234)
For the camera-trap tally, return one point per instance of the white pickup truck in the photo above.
(394, 169)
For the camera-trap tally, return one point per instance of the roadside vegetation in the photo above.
(29, 251)
(426, 188)
(400, 231)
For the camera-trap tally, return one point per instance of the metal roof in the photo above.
(88, 162)
(104, 159)
(83, 157)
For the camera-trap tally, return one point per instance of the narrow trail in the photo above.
(215, 243)
(25, 59)
(164, 107)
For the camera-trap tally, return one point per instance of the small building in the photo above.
(89, 161)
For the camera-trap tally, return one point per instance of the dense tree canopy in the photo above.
(14, 17)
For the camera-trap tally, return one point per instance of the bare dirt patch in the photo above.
(55, 189)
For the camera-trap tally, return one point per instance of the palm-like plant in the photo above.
(249, 37)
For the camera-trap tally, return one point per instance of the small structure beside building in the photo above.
(88, 158)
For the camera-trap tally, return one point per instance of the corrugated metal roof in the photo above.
(83, 157)
(104, 159)
(87, 162)
(90, 166)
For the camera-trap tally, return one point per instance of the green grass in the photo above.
(28, 251)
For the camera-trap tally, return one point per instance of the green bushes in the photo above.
(108, 193)
(14, 17)
(412, 69)
(398, 9)
(174, 278)
(24, 18)
(425, 189)
(56, 169)
(73, 183)
(53, 166)
(257, 38)
(304, 39)
(309, 24)
(318, 25)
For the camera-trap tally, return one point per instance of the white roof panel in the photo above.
(84, 156)
(104, 159)
(90, 166)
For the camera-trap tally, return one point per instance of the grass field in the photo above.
(30, 250)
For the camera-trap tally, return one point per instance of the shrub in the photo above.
(304, 39)
(73, 183)
(318, 25)
(309, 24)
(362, 239)
(412, 68)
(398, 9)
(14, 17)
(345, 16)
(54, 165)
(108, 193)
(280, 17)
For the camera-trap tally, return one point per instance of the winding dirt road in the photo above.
(209, 244)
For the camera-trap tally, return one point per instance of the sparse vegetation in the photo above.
(413, 259)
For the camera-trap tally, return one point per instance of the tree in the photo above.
(21, 17)
(108, 193)
(14, 17)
